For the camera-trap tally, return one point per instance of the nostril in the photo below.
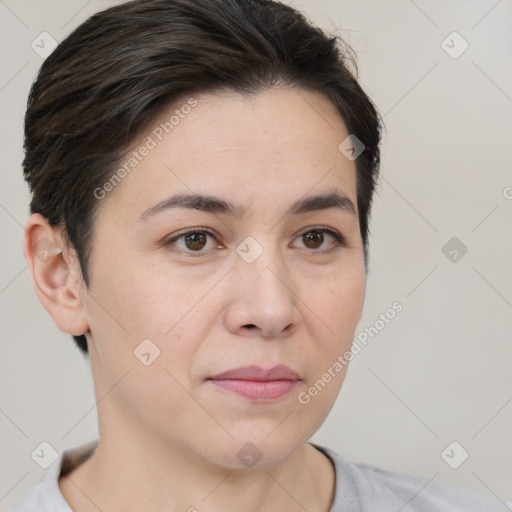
(250, 326)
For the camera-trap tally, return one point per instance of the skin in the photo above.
(169, 437)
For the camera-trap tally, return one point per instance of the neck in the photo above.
(131, 478)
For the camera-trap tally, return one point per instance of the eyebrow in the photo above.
(216, 205)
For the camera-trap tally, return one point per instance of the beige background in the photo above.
(441, 370)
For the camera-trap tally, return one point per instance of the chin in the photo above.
(257, 449)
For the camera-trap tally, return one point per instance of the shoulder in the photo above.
(41, 497)
(46, 495)
(374, 488)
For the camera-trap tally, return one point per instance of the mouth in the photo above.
(256, 383)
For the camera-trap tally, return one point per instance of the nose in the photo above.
(263, 302)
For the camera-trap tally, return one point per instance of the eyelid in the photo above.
(186, 231)
(316, 227)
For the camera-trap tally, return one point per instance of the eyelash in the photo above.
(339, 240)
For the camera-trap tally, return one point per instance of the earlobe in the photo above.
(56, 275)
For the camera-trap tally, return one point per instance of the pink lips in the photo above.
(257, 383)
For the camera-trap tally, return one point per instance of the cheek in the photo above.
(150, 333)
(136, 300)
(337, 306)
(334, 311)
(147, 313)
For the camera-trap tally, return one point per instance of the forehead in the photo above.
(265, 149)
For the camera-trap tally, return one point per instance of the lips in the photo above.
(256, 373)
(256, 383)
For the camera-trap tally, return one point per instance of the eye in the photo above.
(193, 241)
(316, 237)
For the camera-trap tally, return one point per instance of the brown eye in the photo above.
(313, 239)
(192, 241)
(195, 241)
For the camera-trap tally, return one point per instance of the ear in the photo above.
(56, 275)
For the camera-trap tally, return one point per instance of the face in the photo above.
(180, 294)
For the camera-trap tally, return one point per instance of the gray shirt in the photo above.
(359, 488)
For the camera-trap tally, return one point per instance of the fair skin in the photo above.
(168, 437)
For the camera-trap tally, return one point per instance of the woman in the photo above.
(202, 175)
